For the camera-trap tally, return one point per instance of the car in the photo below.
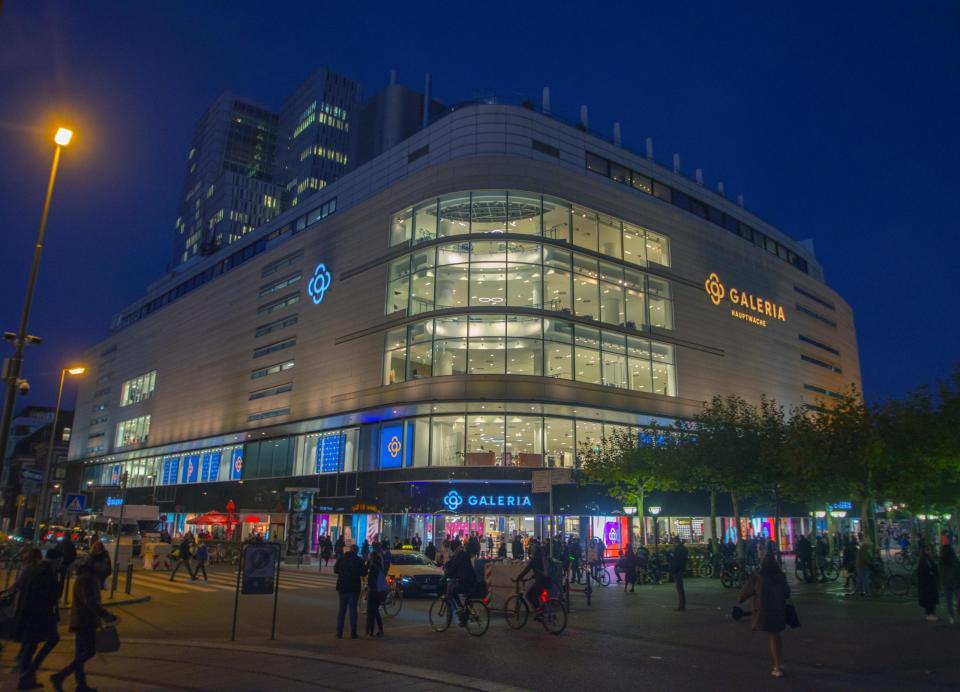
(417, 574)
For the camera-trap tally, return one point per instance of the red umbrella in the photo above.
(212, 517)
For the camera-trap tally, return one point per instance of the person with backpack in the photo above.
(769, 589)
(349, 569)
(37, 616)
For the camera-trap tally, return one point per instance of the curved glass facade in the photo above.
(510, 273)
(527, 213)
(485, 344)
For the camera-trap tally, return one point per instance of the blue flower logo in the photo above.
(319, 284)
(453, 500)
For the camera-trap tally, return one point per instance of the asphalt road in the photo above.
(620, 642)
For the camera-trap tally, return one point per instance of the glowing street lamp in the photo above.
(20, 339)
(41, 513)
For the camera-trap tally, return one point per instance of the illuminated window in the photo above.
(132, 432)
(138, 389)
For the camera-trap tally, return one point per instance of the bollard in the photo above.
(129, 583)
(114, 579)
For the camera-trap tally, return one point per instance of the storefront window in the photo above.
(398, 285)
(425, 222)
(587, 355)
(634, 244)
(589, 436)
(661, 306)
(610, 239)
(558, 439)
(485, 440)
(395, 358)
(401, 228)
(452, 287)
(658, 249)
(556, 288)
(524, 214)
(488, 212)
(454, 215)
(585, 228)
(556, 219)
(447, 441)
(524, 442)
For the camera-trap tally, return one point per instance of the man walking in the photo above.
(349, 570)
(37, 617)
(678, 567)
(184, 554)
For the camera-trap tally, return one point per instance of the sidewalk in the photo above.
(147, 664)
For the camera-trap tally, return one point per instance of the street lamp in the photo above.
(11, 377)
(656, 527)
(41, 512)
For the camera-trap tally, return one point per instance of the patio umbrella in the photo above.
(253, 519)
(211, 517)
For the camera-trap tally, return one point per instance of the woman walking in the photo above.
(949, 577)
(928, 590)
(770, 591)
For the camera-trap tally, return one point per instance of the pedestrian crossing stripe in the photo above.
(226, 581)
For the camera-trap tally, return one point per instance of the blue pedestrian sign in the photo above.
(33, 475)
(75, 503)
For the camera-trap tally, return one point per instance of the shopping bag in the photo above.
(790, 615)
(108, 639)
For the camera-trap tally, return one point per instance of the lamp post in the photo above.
(116, 546)
(11, 376)
(656, 528)
(41, 513)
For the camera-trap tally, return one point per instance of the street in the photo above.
(179, 639)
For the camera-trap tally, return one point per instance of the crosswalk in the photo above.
(226, 580)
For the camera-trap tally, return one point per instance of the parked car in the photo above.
(416, 573)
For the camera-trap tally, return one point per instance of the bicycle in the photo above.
(905, 558)
(600, 574)
(474, 610)
(392, 603)
(552, 613)
(733, 575)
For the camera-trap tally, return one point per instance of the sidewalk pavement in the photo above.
(148, 664)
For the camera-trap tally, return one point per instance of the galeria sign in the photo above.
(741, 300)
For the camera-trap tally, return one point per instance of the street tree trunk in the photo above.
(736, 519)
(713, 516)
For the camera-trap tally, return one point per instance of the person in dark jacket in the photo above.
(678, 567)
(461, 579)
(349, 569)
(374, 595)
(431, 551)
(928, 587)
(473, 545)
(184, 554)
(85, 615)
(202, 556)
(416, 541)
(37, 616)
(516, 549)
(69, 552)
(100, 557)
(326, 550)
(949, 577)
(629, 569)
(339, 547)
(502, 550)
(770, 591)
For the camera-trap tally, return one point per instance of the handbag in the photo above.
(790, 615)
(382, 582)
(108, 639)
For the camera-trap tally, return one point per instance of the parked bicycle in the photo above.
(734, 574)
(392, 603)
(551, 612)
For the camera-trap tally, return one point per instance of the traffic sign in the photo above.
(75, 503)
(34, 475)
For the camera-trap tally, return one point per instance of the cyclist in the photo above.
(461, 579)
(537, 565)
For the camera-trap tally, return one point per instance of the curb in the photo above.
(368, 664)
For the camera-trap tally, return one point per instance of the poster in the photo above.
(260, 562)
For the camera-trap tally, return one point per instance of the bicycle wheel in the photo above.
(515, 612)
(554, 616)
(603, 578)
(726, 579)
(705, 570)
(440, 614)
(830, 572)
(478, 618)
(393, 602)
(898, 585)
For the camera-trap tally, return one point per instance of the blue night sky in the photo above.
(837, 121)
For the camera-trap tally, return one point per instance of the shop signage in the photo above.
(744, 304)
(114, 501)
(391, 446)
(454, 500)
(844, 504)
(611, 534)
(319, 284)
(236, 465)
(260, 563)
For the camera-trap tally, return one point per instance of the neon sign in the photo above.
(454, 500)
(114, 501)
(319, 284)
(741, 299)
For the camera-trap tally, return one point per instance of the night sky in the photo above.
(836, 121)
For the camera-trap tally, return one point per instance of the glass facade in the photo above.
(527, 213)
(483, 344)
(510, 273)
(138, 388)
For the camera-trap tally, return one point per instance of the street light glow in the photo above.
(77, 370)
(63, 136)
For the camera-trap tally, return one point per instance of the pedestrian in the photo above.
(502, 550)
(678, 567)
(516, 550)
(770, 591)
(376, 592)
(326, 550)
(69, 552)
(349, 569)
(863, 568)
(184, 554)
(416, 541)
(949, 577)
(85, 615)
(431, 551)
(629, 569)
(201, 556)
(365, 549)
(36, 617)
(489, 546)
(928, 591)
(100, 556)
(339, 547)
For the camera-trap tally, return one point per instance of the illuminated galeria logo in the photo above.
(741, 301)
(453, 500)
(319, 283)
(714, 288)
(612, 536)
(393, 446)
